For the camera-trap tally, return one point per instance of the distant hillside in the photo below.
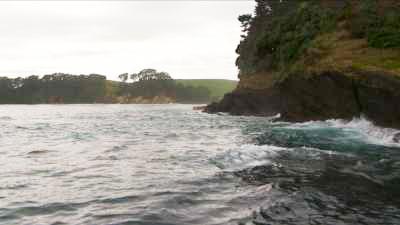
(217, 87)
(147, 87)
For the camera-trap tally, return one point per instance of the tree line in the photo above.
(150, 82)
(95, 88)
(53, 88)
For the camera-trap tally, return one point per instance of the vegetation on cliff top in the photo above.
(303, 37)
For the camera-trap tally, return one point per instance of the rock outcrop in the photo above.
(328, 95)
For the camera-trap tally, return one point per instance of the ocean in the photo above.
(170, 165)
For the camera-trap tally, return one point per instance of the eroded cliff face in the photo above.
(329, 95)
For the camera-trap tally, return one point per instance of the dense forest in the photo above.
(147, 86)
(287, 36)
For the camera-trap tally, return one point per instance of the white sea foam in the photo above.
(246, 156)
(368, 130)
(373, 134)
(277, 116)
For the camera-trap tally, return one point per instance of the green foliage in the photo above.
(218, 88)
(245, 20)
(123, 77)
(381, 30)
(149, 83)
(363, 22)
(387, 35)
(66, 88)
(169, 88)
(53, 88)
(291, 35)
(279, 35)
(190, 94)
(150, 74)
(281, 32)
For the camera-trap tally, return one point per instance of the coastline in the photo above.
(329, 95)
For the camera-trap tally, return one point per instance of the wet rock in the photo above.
(379, 96)
(329, 95)
(247, 102)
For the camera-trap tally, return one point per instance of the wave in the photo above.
(358, 134)
(246, 156)
(372, 133)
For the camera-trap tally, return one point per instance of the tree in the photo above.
(245, 20)
(134, 77)
(163, 76)
(150, 74)
(123, 77)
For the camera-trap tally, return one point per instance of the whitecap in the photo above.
(372, 133)
(359, 128)
(246, 156)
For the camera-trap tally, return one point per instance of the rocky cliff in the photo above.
(335, 73)
(329, 95)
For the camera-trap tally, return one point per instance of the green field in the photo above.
(217, 87)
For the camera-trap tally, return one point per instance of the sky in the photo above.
(187, 39)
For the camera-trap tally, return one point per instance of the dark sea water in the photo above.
(167, 164)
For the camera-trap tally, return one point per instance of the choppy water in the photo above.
(167, 164)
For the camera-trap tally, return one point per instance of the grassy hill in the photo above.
(217, 87)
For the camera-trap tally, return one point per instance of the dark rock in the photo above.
(330, 95)
(379, 96)
(325, 96)
(248, 102)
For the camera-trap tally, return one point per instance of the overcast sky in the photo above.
(188, 39)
